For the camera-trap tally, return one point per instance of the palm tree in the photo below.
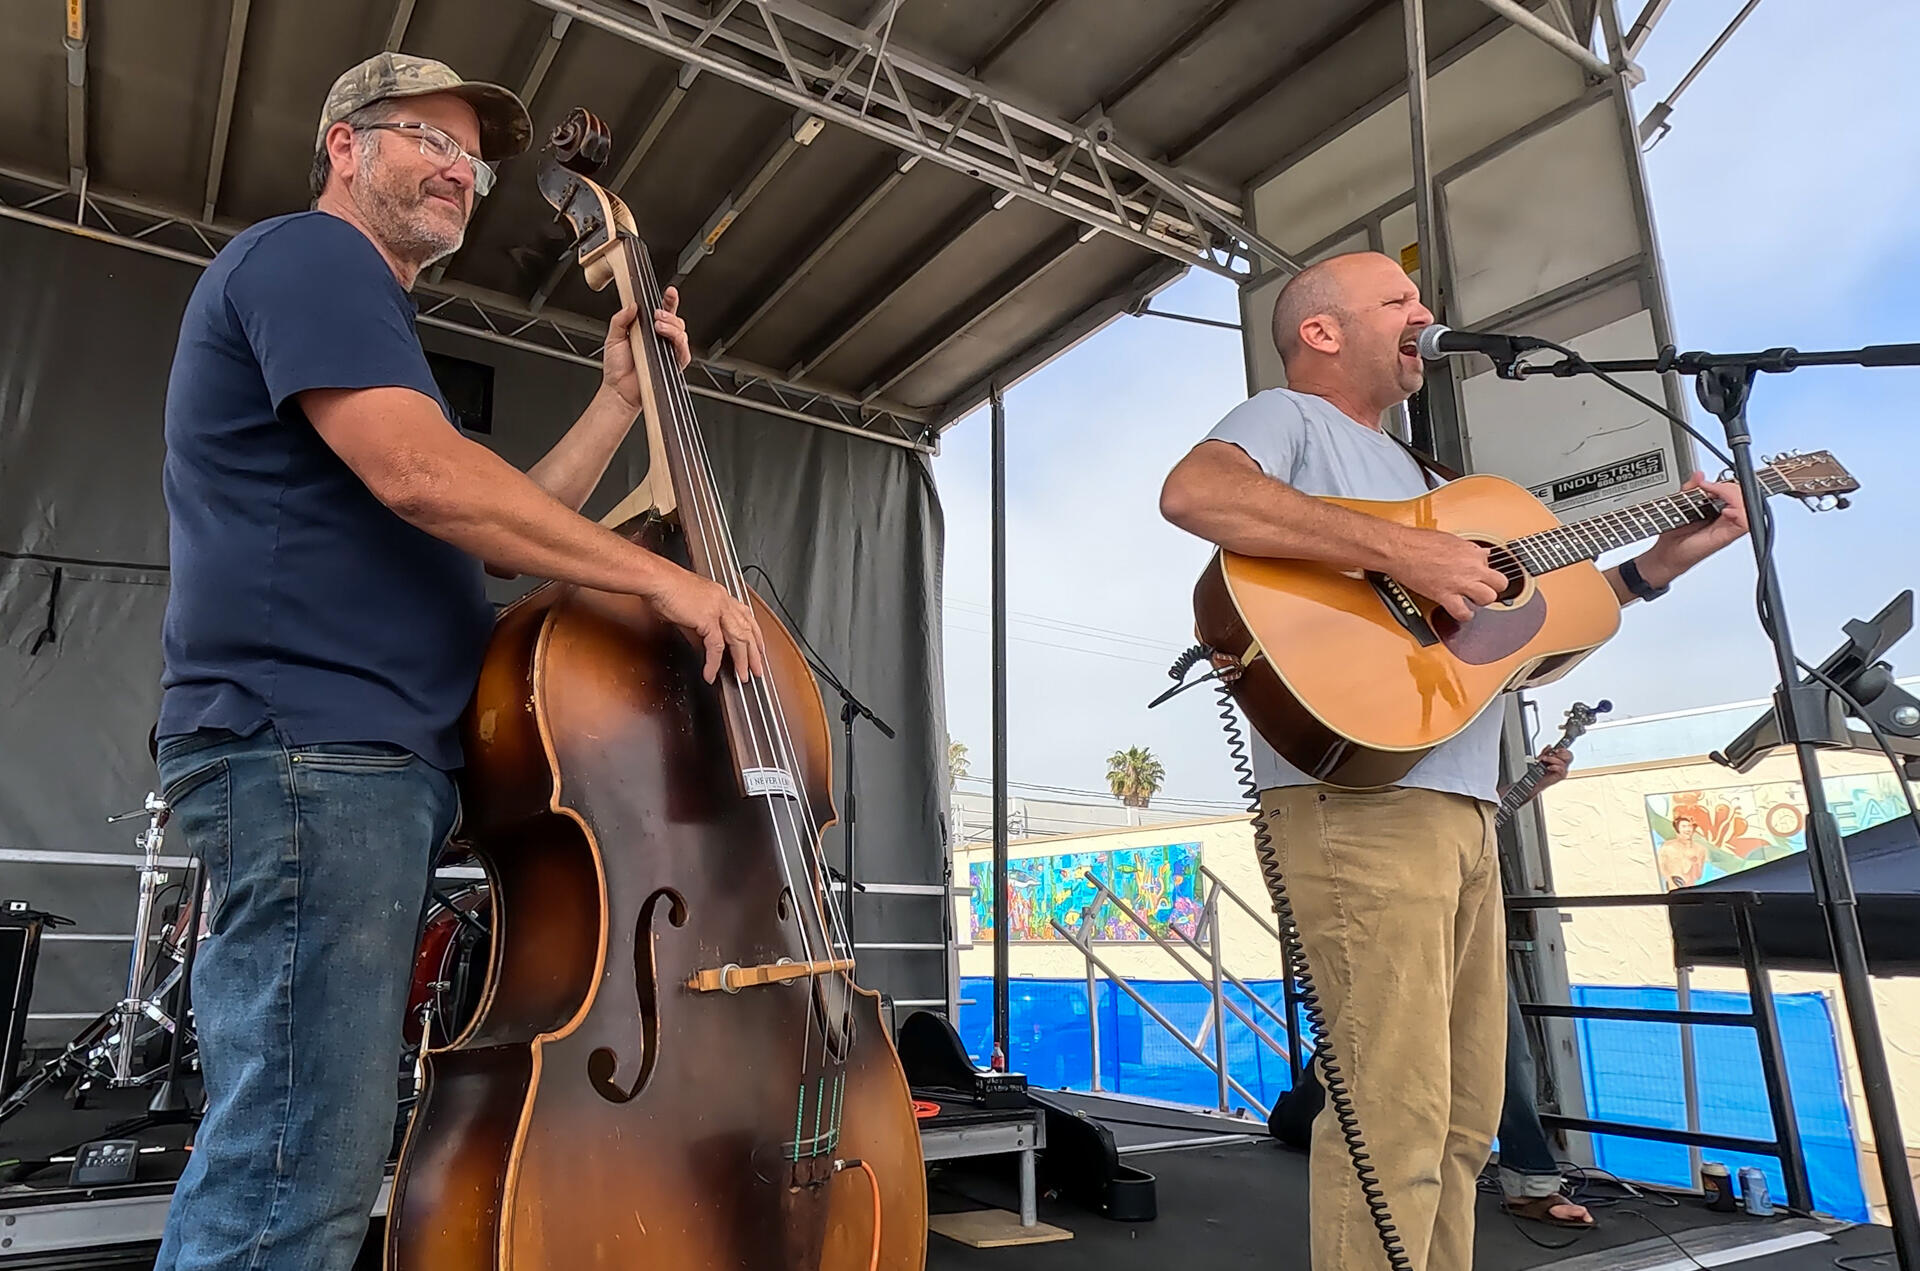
(1134, 776)
(956, 759)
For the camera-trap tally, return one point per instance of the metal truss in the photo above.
(1082, 170)
(485, 315)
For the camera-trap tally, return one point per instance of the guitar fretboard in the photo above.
(1585, 540)
(1519, 792)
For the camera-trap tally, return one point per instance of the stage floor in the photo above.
(1224, 1200)
(1244, 1204)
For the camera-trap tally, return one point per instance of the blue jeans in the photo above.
(1527, 1167)
(318, 860)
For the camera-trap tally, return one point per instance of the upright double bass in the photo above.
(671, 1066)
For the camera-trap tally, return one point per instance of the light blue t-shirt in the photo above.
(1309, 443)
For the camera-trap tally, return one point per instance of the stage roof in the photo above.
(993, 181)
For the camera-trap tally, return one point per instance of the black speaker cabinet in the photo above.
(19, 950)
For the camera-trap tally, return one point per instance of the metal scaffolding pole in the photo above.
(1001, 950)
(1537, 26)
(1448, 440)
(1423, 217)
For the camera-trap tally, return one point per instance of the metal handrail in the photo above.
(1120, 982)
(1210, 915)
(1289, 996)
(1237, 899)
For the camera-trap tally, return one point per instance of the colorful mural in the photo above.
(1161, 884)
(1700, 835)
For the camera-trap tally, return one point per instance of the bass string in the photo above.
(765, 698)
(762, 698)
(713, 562)
(694, 437)
(720, 568)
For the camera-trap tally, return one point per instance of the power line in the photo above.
(1063, 624)
(1070, 648)
(1106, 794)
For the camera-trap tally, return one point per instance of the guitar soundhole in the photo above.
(786, 905)
(1501, 557)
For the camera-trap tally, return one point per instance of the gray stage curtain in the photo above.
(848, 530)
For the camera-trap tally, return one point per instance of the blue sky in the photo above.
(1786, 203)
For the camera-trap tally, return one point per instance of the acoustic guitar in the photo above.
(1352, 677)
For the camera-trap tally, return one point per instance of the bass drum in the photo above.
(450, 969)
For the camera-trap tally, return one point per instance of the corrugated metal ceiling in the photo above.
(919, 302)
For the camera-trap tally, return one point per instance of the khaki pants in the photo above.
(1397, 895)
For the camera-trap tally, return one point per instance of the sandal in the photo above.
(1540, 1209)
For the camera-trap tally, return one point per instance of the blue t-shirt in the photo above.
(298, 599)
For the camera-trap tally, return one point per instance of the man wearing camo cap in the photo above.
(325, 627)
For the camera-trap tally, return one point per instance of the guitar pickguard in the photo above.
(1491, 634)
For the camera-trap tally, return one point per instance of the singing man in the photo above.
(1396, 890)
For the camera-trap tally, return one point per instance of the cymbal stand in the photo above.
(134, 1005)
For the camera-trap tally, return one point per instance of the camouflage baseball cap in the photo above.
(505, 129)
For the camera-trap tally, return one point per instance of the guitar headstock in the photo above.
(1581, 717)
(575, 153)
(1816, 479)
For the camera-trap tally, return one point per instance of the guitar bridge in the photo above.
(1400, 603)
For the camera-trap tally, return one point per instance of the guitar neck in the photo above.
(1519, 792)
(1587, 540)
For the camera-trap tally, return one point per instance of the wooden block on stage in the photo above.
(993, 1229)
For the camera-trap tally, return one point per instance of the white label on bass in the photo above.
(770, 781)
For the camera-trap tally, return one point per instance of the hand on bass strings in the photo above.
(713, 620)
(1448, 569)
(617, 370)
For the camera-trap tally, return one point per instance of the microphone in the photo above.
(1436, 343)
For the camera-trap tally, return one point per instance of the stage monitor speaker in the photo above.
(19, 951)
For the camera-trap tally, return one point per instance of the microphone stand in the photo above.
(1724, 382)
(851, 709)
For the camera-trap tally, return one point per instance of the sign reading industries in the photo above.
(1619, 477)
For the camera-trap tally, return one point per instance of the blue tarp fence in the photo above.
(1631, 1070)
(1632, 1073)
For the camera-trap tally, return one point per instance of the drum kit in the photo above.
(147, 1038)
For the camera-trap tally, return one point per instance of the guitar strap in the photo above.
(1428, 464)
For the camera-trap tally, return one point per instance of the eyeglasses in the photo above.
(444, 150)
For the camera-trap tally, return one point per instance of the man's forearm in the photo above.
(480, 503)
(570, 471)
(1245, 511)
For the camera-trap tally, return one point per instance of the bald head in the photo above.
(1314, 292)
(1341, 325)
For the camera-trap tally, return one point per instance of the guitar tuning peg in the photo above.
(1842, 502)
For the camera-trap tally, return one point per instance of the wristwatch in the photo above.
(1639, 586)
